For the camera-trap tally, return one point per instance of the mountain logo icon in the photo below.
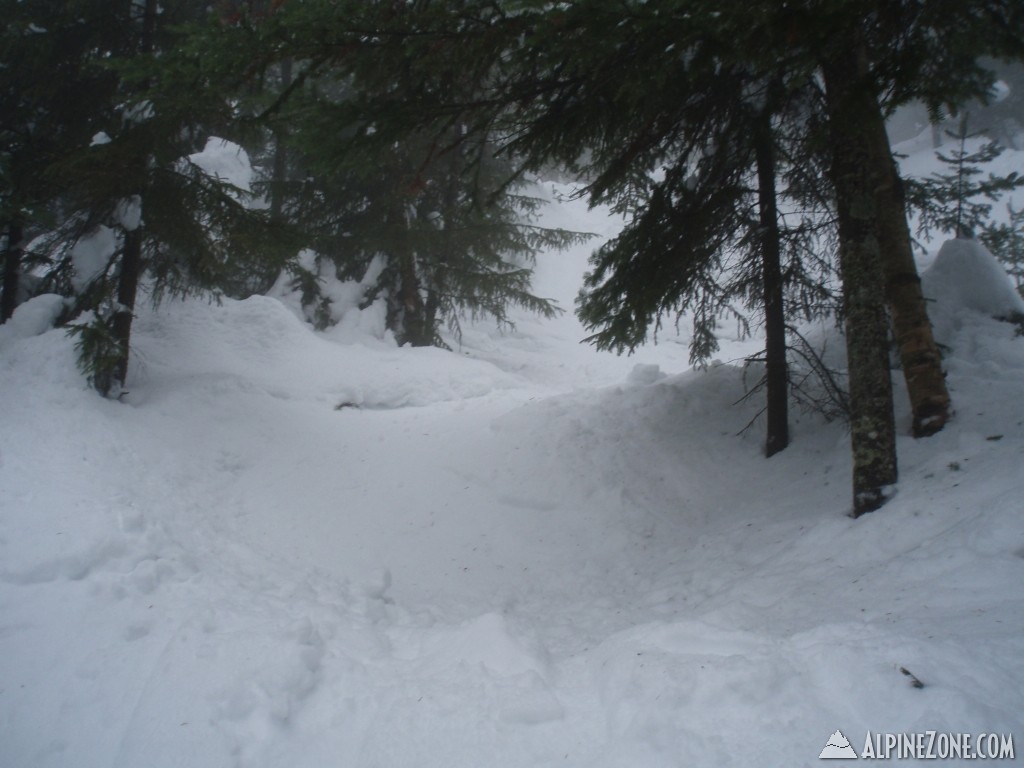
(837, 748)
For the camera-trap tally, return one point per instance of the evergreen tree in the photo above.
(174, 224)
(426, 212)
(50, 105)
(1006, 242)
(713, 133)
(874, 58)
(673, 110)
(959, 200)
(637, 85)
(871, 63)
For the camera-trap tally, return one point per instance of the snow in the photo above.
(128, 213)
(1001, 90)
(139, 112)
(351, 322)
(33, 318)
(227, 161)
(291, 548)
(966, 277)
(91, 254)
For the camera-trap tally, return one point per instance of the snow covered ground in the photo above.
(519, 553)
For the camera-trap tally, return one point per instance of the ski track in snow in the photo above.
(522, 553)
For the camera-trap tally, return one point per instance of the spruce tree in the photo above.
(619, 77)
(176, 227)
(712, 133)
(1006, 242)
(870, 63)
(553, 93)
(428, 211)
(959, 201)
(50, 105)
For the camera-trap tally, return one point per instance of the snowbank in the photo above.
(965, 276)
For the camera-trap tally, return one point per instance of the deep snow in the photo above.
(519, 553)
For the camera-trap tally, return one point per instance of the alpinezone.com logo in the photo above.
(926, 745)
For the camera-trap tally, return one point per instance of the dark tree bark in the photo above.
(127, 289)
(280, 169)
(776, 376)
(410, 301)
(12, 270)
(854, 170)
(406, 311)
(919, 354)
(446, 243)
(112, 375)
(430, 310)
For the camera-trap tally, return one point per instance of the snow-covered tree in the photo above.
(173, 223)
(426, 211)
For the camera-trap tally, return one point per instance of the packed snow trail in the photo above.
(292, 549)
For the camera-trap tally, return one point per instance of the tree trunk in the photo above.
(410, 302)
(430, 316)
(12, 270)
(280, 170)
(149, 16)
(854, 171)
(776, 376)
(919, 354)
(405, 310)
(127, 289)
(437, 279)
(111, 376)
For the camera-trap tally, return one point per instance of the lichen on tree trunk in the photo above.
(854, 171)
(919, 354)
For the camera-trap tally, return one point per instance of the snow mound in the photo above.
(34, 317)
(257, 347)
(485, 641)
(644, 374)
(966, 277)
